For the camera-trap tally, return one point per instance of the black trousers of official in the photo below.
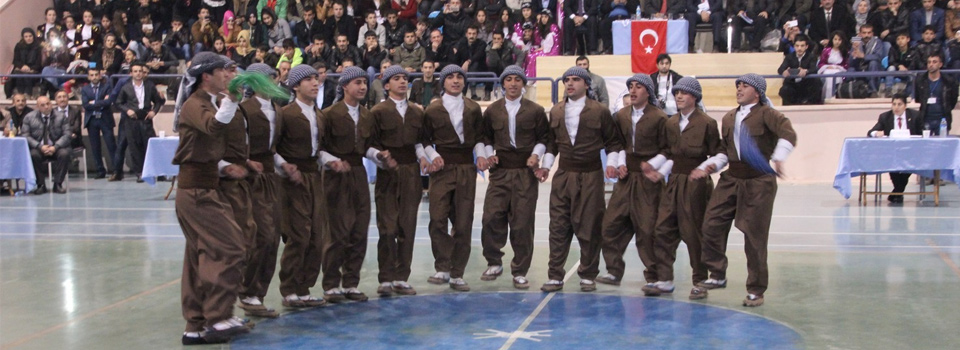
(138, 133)
(96, 129)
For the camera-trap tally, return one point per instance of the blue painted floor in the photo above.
(520, 321)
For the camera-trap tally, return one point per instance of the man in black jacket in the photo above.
(759, 13)
(98, 117)
(438, 51)
(306, 29)
(395, 29)
(899, 117)
(796, 89)
(663, 80)
(161, 61)
(471, 56)
(19, 109)
(340, 24)
(839, 19)
(613, 10)
(706, 11)
(139, 102)
(342, 51)
(581, 20)
(453, 21)
(937, 94)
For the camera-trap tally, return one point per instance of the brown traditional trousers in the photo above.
(213, 257)
(682, 206)
(237, 194)
(348, 201)
(398, 193)
(452, 196)
(265, 192)
(576, 208)
(303, 234)
(632, 210)
(511, 199)
(750, 203)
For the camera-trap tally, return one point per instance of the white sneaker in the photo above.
(439, 278)
(492, 273)
(251, 301)
(665, 286)
(402, 284)
(459, 284)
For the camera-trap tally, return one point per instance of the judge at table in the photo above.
(898, 118)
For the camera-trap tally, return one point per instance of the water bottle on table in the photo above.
(638, 15)
(943, 127)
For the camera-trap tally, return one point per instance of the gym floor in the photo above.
(99, 268)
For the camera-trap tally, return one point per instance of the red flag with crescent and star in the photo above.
(649, 39)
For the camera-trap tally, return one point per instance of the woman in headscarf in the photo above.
(26, 60)
(526, 16)
(232, 25)
(243, 53)
(546, 41)
(277, 29)
(861, 12)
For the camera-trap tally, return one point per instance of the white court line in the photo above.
(536, 312)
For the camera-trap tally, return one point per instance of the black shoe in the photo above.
(139, 179)
(41, 189)
(115, 177)
(161, 178)
(100, 176)
(58, 189)
(486, 97)
(475, 97)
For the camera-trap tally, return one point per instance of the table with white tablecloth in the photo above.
(677, 36)
(15, 161)
(159, 160)
(921, 156)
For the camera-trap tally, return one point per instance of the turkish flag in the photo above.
(649, 39)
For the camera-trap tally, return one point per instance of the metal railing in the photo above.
(490, 77)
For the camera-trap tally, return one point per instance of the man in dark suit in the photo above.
(796, 89)
(138, 101)
(760, 12)
(794, 10)
(340, 24)
(928, 15)
(74, 117)
(581, 20)
(48, 135)
(706, 11)
(98, 117)
(898, 118)
(328, 87)
(611, 11)
(829, 18)
(937, 94)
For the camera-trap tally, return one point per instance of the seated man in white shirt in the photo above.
(899, 117)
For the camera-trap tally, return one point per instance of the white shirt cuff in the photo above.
(585, 16)
(326, 158)
(720, 160)
(480, 150)
(782, 151)
(420, 153)
(613, 159)
(666, 169)
(539, 150)
(431, 153)
(657, 161)
(547, 162)
(372, 156)
(222, 165)
(489, 151)
(226, 111)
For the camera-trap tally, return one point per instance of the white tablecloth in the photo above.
(159, 160)
(677, 36)
(882, 155)
(15, 161)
